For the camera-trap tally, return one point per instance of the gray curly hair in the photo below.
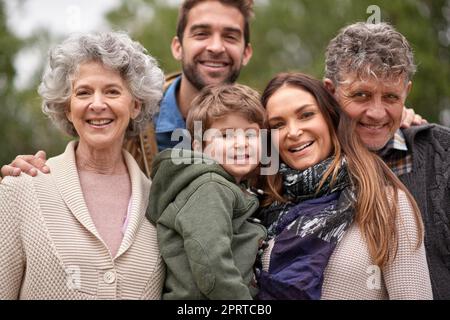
(114, 50)
(369, 50)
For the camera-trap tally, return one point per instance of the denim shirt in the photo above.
(170, 119)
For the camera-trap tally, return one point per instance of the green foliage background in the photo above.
(285, 34)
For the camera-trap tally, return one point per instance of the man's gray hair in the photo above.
(115, 50)
(367, 49)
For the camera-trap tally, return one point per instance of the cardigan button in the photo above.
(109, 277)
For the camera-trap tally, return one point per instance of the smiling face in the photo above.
(101, 106)
(376, 105)
(213, 49)
(233, 142)
(302, 136)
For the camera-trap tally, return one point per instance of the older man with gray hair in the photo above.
(369, 69)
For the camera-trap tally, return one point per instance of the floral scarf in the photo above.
(306, 231)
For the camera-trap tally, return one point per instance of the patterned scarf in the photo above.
(306, 231)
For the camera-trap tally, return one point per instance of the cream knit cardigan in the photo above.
(50, 248)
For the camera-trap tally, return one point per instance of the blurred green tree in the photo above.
(23, 127)
(11, 133)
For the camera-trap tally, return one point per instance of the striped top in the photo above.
(50, 248)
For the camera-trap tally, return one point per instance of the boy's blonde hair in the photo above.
(217, 101)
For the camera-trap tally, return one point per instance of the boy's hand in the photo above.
(410, 118)
(28, 164)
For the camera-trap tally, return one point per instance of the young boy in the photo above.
(199, 200)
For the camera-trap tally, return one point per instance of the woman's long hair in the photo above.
(375, 212)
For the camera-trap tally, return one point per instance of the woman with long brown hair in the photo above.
(342, 226)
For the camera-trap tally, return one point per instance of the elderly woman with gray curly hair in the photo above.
(80, 232)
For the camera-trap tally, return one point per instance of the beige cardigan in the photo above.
(50, 249)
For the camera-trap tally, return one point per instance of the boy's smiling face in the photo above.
(234, 143)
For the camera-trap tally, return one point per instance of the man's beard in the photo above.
(378, 147)
(197, 81)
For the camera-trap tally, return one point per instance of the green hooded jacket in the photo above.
(204, 236)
